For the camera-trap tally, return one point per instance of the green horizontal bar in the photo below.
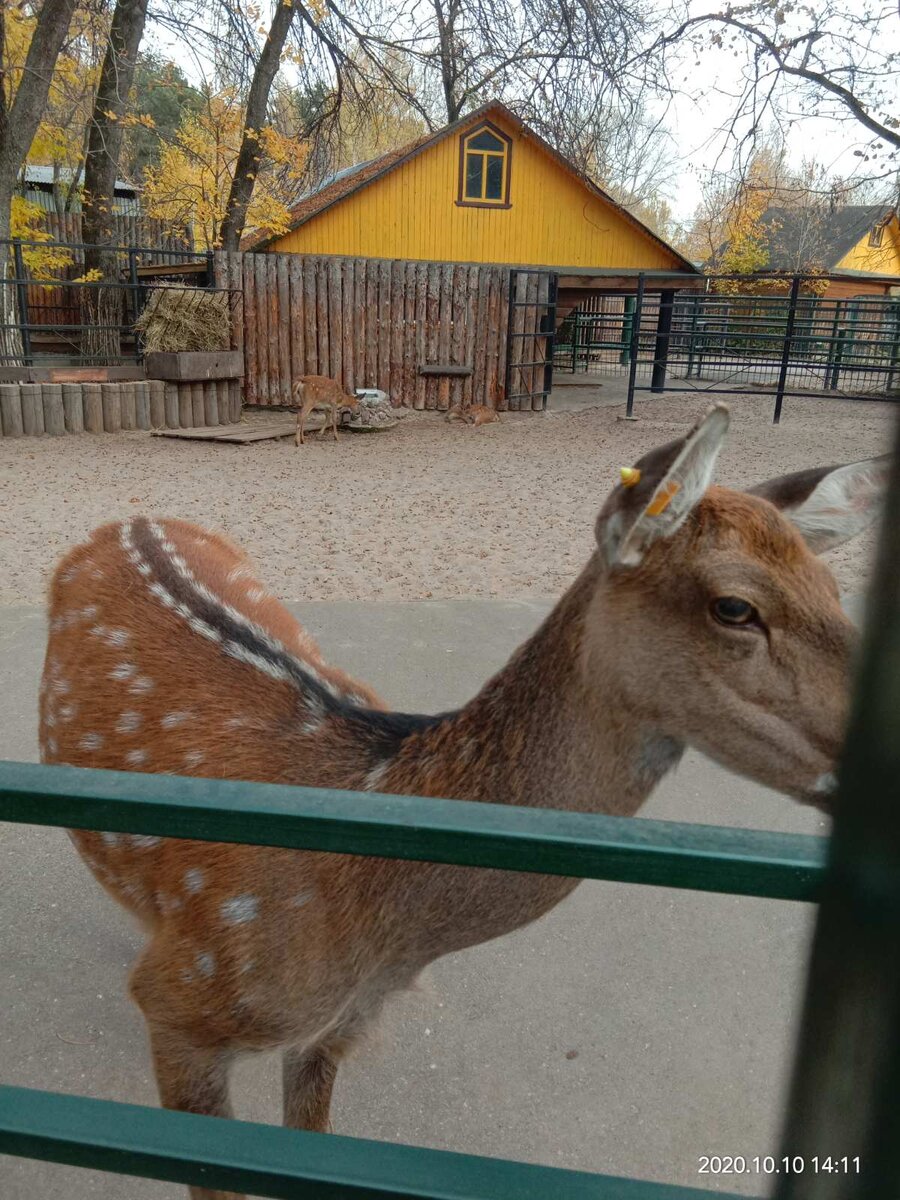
(265, 1160)
(585, 845)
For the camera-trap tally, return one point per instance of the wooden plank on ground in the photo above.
(243, 434)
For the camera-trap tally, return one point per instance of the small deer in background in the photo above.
(323, 394)
(475, 414)
(702, 618)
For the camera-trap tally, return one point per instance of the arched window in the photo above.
(484, 160)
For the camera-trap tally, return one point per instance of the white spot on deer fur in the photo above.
(375, 775)
(203, 629)
(240, 909)
(144, 568)
(194, 880)
(194, 758)
(136, 758)
(90, 612)
(51, 746)
(300, 899)
(141, 685)
(61, 687)
(242, 654)
(144, 841)
(128, 722)
(113, 637)
(67, 711)
(90, 741)
(163, 594)
(237, 573)
(111, 839)
(311, 727)
(206, 964)
(237, 722)
(170, 720)
(255, 595)
(123, 671)
(248, 966)
(186, 976)
(168, 904)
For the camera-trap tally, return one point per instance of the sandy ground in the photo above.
(425, 510)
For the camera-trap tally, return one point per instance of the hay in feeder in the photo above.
(179, 319)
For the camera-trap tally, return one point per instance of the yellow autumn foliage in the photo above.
(191, 183)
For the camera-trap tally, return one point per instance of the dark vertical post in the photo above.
(548, 325)
(842, 1106)
(635, 347)
(832, 344)
(22, 302)
(786, 349)
(576, 326)
(627, 323)
(663, 333)
(510, 341)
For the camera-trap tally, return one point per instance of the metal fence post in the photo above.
(627, 325)
(786, 349)
(663, 336)
(22, 302)
(635, 347)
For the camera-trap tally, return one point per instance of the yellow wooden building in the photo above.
(857, 246)
(486, 189)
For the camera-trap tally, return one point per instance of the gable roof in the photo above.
(353, 179)
(799, 238)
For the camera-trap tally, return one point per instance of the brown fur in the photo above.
(473, 414)
(320, 392)
(589, 713)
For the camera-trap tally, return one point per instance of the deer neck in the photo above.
(541, 734)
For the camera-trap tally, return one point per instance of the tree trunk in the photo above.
(250, 154)
(102, 308)
(19, 121)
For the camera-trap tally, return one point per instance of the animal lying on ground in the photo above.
(325, 395)
(702, 618)
(475, 414)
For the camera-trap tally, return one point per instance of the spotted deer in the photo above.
(319, 392)
(702, 618)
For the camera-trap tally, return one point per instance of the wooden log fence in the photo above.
(379, 322)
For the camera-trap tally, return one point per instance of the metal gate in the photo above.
(530, 338)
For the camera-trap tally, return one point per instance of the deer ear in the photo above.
(830, 505)
(657, 495)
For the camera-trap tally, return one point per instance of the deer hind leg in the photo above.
(192, 1078)
(308, 1079)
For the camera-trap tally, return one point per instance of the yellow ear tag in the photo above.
(630, 476)
(663, 499)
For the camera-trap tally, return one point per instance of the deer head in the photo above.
(719, 626)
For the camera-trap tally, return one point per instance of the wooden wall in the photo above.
(374, 323)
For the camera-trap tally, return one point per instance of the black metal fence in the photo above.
(791, 344)
(62, 318)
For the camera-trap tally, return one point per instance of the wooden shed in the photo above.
(440, 271)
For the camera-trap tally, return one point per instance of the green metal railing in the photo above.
(268, 1161)
(843, 1103)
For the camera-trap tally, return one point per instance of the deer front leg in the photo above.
(308, 1079)
(193, 1079)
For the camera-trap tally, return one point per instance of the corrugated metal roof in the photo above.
(38, 174)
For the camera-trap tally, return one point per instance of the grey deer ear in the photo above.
(658, 493)
(830, 505)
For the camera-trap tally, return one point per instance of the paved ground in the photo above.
(630, 1031)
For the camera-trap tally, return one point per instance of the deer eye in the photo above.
(731, 610)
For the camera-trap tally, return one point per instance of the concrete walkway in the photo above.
(630, 1031)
